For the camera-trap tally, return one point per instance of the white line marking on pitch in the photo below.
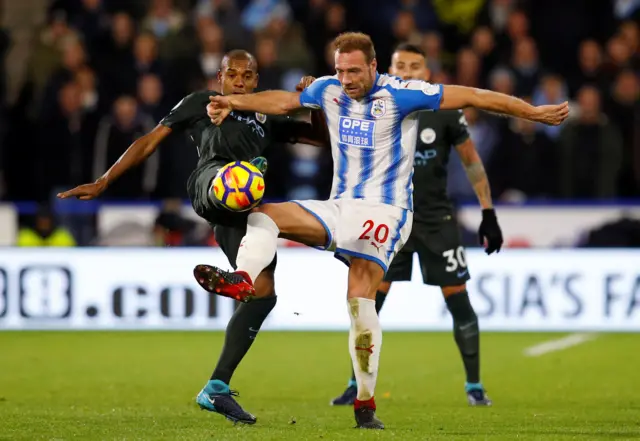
(558, 344)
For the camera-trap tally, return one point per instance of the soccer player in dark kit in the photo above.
(435, 236)
(243, 136)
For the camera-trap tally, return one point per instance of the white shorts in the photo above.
(360, 228)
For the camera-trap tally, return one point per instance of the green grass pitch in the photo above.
(141, 385)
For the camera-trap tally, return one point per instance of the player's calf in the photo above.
(466, 332)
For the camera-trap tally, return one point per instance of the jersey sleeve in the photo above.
(311, 97)
(187, 110)
(413, 96)
(458, 128)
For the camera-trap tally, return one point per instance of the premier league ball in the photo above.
(238, 186)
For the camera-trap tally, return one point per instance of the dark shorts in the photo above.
(441, 254)
(229, 227)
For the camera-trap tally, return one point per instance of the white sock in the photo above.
(258, 246)
(365, 340)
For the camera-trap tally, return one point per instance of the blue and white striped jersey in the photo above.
(373, 140)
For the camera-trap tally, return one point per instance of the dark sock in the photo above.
(240, 334)
(380, 299)
(466, 333)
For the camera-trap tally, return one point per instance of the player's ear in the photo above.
(219, 76)
(427, 74)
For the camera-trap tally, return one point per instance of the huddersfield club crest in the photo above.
(261, 117)
(378, 109)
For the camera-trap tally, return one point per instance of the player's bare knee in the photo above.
(453, 289)
(384, 287)
(364, 278)
(265, 284)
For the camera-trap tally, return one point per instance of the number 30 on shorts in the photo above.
(455, 259)
(380, 234)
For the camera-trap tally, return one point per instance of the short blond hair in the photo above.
(355, 41)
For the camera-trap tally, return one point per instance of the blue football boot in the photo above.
(348, 397)
(476, 395)
(217, 397)
(260, 162)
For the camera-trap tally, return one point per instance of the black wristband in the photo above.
(488, 213)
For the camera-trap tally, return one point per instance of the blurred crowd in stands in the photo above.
(82, 79)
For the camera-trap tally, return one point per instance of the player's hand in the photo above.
(217, 115)
(304, 83)
(85, 192)
(218, 109)
(552, 114)
(490, 231)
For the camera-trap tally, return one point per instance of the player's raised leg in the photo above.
(466, 333)
(264, 225)
(241, 332)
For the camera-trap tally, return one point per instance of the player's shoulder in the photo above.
(323, 83)
(202, 95)
(395, 85)
(196, 98)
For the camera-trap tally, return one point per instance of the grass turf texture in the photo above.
(128, 385)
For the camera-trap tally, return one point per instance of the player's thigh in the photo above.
(198, 186)
(371, 231)
(307, 222)
(442, 257)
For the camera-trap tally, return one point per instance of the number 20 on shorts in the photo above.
(380, 234)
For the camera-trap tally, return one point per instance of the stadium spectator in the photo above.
(193, 71)
(624, 108)
(225, 14)
(115, 134)
(484, 134)
(523, 164)
(404, 28)
(45, 57)
(468, 68)
(590, 151)
(91, 20)
(74, 59)
(590, 60)
(45, 232)
(525, 66)
(168, 24)
(483, 44)
(432, 47)
(60, 154)
(151, 97)
(270, 71)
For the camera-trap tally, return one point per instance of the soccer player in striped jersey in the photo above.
(372, 122)
(435, 235)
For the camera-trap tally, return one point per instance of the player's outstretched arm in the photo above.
(270, 102)
(140, 150)
(489, 228)
(459, 97)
